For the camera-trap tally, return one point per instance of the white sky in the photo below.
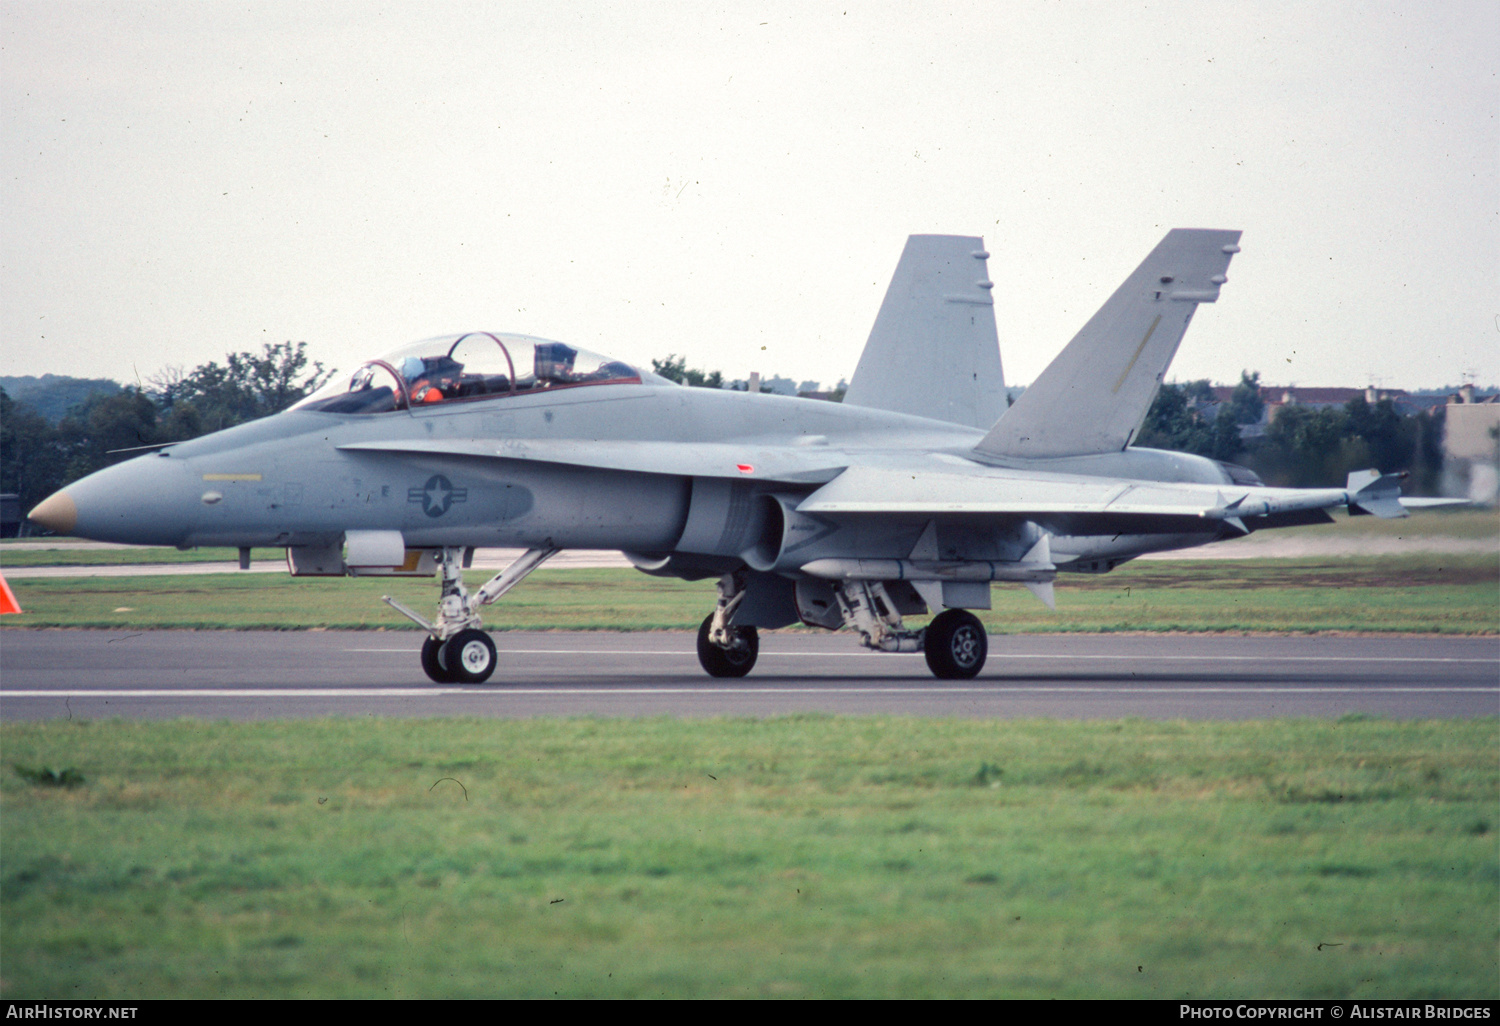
(734, 182)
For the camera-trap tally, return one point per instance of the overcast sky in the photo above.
(734, 182)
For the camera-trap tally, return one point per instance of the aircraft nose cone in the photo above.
(57, 513)
(144, 501)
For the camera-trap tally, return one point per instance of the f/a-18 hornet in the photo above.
(914, 494)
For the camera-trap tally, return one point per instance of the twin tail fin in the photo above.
(1094, 396)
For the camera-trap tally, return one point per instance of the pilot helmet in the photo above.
(554, 360)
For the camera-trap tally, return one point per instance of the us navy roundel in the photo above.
(437, 496)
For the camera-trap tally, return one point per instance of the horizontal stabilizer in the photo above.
(933, 351)
(1094, 396)
(912, 489)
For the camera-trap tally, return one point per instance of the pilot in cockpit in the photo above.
(431, 380)
(554, 363)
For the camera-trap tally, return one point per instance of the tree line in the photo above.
(39, 455)
(1302, 446)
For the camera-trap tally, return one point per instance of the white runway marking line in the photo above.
(1008, 655)
(502, 691)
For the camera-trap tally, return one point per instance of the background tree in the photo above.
(675, 368)
(1307, 447)
(1179, 419)
(1173, 422)
(53, 395)
(246, 387)
(96, 434)
(31, 461)
(1245, 403)
(1390, 438)
(108, 426)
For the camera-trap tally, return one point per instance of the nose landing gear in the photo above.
(456, 650)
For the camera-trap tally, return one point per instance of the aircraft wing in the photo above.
(992, 490)
(746, 461)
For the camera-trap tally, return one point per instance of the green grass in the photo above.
(36, 553)
(1430, 593)
(808, 856)
(1437, 522)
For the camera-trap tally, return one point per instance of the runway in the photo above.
(46, 674)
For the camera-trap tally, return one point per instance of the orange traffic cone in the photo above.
(8, 603)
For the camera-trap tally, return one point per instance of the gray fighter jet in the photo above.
(915, 493)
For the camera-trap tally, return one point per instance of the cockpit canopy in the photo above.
(464, 368)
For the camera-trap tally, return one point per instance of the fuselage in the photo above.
(291, 480)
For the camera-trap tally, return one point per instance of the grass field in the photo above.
(798, 857)
(37, 553)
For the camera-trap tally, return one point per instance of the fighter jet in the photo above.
(914, 494)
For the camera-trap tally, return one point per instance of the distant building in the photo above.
(1471, 445)
(1275, 398)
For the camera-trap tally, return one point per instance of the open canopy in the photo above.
(475, 366)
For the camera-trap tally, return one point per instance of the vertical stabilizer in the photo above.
(1095, 395)
(933, 351)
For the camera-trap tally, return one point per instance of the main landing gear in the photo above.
(725, 650)
(456, 650)
(954, 644)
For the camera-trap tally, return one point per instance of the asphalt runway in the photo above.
(46, 674)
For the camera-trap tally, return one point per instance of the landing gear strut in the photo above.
(725, 650)
(868, 609)
(456, 650)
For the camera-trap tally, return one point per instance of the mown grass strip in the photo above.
(807, 856)
(23, 554)
(1433, 593)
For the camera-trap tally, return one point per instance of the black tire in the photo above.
(956, 645)
(733, 662)
(431, 661)
(469, 656)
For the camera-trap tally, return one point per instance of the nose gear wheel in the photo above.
(469, 657)
(456, 650)
(431, 663)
